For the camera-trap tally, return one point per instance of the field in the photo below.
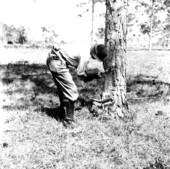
(34, 138)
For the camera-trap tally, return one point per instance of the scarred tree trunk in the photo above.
(115, 40)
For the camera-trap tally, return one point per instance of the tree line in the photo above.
(148, 25)
(12, 35)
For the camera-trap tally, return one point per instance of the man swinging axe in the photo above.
(77, 55)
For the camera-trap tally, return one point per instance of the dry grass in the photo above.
(34, 139)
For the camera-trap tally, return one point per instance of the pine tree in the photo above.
(115, 40)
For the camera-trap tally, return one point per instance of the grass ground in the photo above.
(33, 139)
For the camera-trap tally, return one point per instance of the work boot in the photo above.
(68, 107)
(62, 113)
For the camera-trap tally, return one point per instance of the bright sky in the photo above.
(61, 14)
(36, 11)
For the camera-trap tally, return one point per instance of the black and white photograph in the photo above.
(84, 84)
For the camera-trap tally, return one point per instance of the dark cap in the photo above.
(98, 51)
(101, 51)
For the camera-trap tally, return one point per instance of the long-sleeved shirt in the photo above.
(77, 55)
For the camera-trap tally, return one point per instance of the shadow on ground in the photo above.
(35, 73)
(53, 112)
(141, 87)
(147, 88)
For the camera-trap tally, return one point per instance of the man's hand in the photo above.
(94, 74)
(90, 76)
(107, 71)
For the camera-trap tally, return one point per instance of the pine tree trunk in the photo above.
(115, 40)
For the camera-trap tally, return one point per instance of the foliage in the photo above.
(12, 35)
(167, 3)
(49, 35)
(142, 13)
(145, 28)
(139, 14)
(101, 33)
(138, 21)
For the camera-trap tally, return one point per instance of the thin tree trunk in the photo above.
(151, 26)
(92, 29)
(115, 40)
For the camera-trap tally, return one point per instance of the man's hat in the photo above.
(98, 51)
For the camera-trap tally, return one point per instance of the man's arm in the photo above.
(90, 75)
(94, 74)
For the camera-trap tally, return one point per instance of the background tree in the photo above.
(166, 29)
(166, 35)
(14, 35)
(151, 24)
(115, 40)
(92, 29)
(155, 7)
(8, 33)
(92, 2)
(49, 36)
(146, 22)
(93, 11)
(22, 36)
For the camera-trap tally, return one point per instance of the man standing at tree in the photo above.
(76, 55)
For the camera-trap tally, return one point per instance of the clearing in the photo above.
(33, 139)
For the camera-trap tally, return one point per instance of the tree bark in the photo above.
(115, 40)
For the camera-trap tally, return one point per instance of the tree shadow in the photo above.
(144, 87)
(36, 73)
(148, 87)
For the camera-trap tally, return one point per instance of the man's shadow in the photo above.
(54, 113)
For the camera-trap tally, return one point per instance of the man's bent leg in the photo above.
(68, 92)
